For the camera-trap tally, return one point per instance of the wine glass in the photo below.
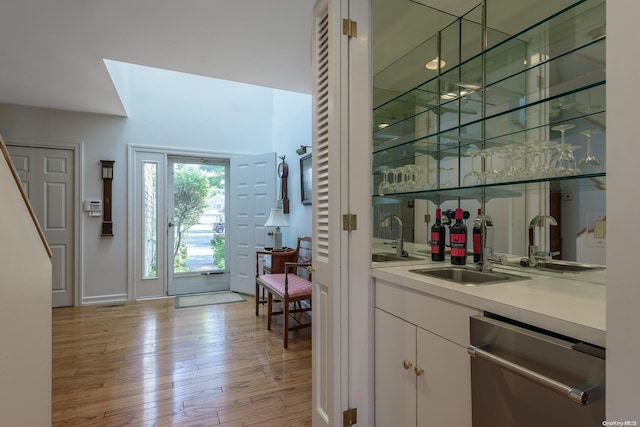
(511, 172)
(473, 176)
(382, 186)
(547, 170)
(590, 163)
(565, 162)
(410, 177)
(423, 177)
(447, 181)
(489, 174)
(532, 153)
(396, 182)
(385, 185)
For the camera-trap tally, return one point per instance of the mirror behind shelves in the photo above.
(403, 41)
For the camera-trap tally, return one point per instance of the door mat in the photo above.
(208, 299)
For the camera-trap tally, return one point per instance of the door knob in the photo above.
(418, 370)
(407, 364)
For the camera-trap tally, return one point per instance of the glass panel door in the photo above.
(197, 235)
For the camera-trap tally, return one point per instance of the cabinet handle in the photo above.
(582, 394)
(418, 370)
(407, 364)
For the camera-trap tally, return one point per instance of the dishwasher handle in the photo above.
(582, 394)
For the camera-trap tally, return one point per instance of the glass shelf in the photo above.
(588, 182)
(585, 108)
(510, 108)
(421, 117)
(575, 38)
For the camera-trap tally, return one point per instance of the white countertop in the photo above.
(555, 302)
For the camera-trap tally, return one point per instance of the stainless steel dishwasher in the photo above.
(523, 376)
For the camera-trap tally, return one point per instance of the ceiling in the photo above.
(51, 52)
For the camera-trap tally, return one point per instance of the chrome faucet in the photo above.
(534, 254)
(399, 240)
(486, 236)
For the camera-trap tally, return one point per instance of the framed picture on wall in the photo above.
(305, 179)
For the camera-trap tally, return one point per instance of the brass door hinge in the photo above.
(349, 28)
(349, 222)
(350, 417)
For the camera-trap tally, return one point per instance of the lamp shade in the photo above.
(276, 219)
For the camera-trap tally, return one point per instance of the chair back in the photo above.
(304, 250)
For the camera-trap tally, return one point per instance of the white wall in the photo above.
(25, 313)
(180, 110)
(623, 205)
(291, 129)
(173, 111)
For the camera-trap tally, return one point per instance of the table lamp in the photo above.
(277, 220)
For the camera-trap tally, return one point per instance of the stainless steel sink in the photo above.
(392, 257)
(567, 267)
(469, 277)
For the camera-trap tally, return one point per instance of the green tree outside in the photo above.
(191, 197)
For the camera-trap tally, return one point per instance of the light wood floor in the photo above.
(149, 364)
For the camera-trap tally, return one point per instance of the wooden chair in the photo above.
(291, 287)
(278, 259)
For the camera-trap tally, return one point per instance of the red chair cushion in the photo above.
(298, 286)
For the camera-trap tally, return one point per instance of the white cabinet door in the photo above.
(444, 388)
(395, 378)
(421, 379)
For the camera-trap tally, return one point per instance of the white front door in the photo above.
(196, 208)
(253, 194)
(47, 177)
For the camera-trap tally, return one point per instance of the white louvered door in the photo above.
(327, 206)
(343, 287)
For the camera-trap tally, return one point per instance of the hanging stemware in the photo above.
(590, 163)
(473, 176)
(565, 162)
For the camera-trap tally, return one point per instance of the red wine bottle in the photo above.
(477, 238)
(437, 238)
(458, 235)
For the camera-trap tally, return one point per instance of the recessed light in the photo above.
(449, 95)
(434, 64)
(383, 125)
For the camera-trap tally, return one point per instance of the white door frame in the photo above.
(360, 281)
(132, 231)
(78, 168)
